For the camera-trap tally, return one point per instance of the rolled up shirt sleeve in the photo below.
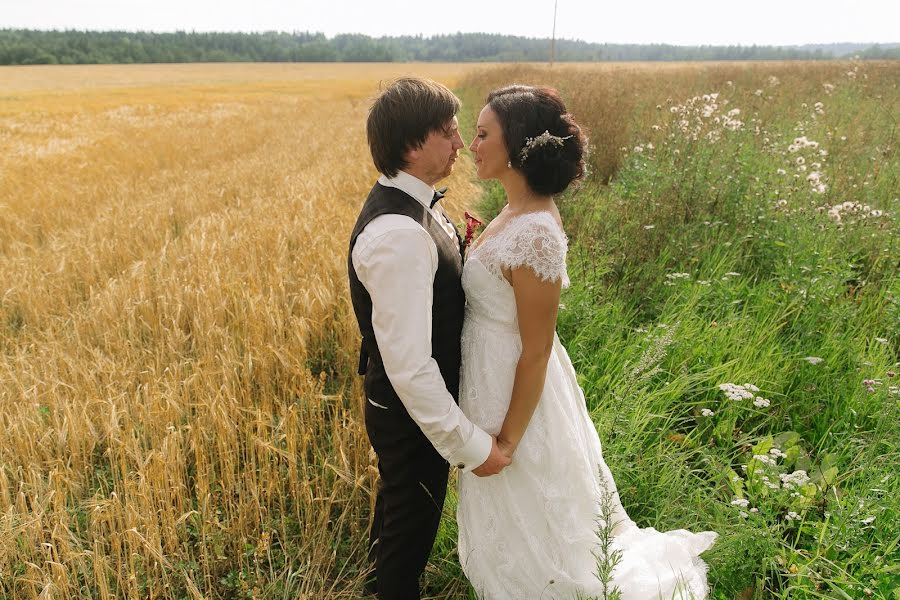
(397, 268)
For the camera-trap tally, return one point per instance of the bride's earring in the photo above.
(509, 164)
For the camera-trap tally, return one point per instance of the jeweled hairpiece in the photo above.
(535, 142)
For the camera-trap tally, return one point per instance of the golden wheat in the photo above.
(176, 332)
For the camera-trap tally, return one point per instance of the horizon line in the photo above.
(437, 35)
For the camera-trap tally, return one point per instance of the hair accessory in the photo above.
(535, 142)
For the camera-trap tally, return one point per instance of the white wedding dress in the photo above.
(531, 531)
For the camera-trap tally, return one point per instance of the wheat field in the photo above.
(175, 327)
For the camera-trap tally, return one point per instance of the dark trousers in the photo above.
(409, 503)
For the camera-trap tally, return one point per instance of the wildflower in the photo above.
(754, 510)
(743, 515)
(814, 360)
(742, 502)
(758, 93)
(868, 520)
(649, 226)
(777, 453)
(707, 412)
(764, 459)
(781, 172)
(881, 340)
(828, 88)
(736, 392)
(795, 479)
(792, 516)
(800, 160)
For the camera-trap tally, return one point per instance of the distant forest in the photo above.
(29, 47)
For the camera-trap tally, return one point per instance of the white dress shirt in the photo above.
(396, 260)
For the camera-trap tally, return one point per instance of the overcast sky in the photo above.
(686, 22)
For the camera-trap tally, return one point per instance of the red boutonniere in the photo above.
(473, 225)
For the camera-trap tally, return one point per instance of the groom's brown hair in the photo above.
(402, 116)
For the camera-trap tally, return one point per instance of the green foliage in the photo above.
(734, 324)
(29, 47)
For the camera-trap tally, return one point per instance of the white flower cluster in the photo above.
(792, 516)
(674, 277)
(764, 459)
(777, 453)
(761, 402)
(730, 120)
(702, 113)
(838, 212)
(765, 478)
(795, 479)
(815, 178)
(706, 412)
(742, 502)
(739, 392)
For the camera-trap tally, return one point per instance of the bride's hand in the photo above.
(506, 447)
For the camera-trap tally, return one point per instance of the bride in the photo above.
(531, 531)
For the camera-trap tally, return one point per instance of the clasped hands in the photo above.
(499, 458)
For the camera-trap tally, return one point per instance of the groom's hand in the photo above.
(496, 461)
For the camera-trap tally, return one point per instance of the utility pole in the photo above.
(553, 39)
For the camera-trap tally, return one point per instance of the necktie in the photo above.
(438, 194)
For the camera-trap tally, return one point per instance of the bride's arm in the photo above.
(537, 302)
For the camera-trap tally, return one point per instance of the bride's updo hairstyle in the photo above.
(550, 161)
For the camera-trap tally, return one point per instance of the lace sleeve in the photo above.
(537, 242)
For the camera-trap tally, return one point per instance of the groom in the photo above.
(405, 266)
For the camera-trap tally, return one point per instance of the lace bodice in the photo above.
(533, 240)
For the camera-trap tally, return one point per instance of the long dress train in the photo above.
(531, 531)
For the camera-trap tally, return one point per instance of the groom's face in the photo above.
(435, 158)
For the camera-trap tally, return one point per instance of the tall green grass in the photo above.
(712, 258)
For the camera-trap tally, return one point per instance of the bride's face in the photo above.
(488, 146)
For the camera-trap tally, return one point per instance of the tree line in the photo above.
(28, 47)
